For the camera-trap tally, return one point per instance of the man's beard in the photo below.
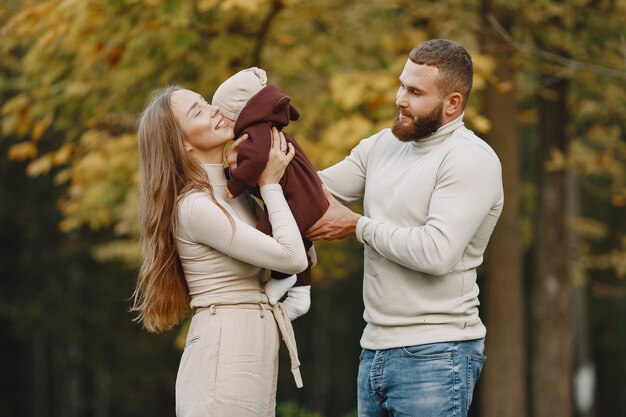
(420, 128)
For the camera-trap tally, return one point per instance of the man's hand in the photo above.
(337, 223)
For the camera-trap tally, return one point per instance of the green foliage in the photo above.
(82, 70)
(293, 409)
(584, 44)
(75, 75)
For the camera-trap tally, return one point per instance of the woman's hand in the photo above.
(281, 153)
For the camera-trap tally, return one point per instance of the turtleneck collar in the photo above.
(215, 173)
(439, 136)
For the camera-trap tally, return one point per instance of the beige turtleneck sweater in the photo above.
(430, 207)
(226, 265)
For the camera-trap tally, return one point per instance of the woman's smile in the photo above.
(221, 123)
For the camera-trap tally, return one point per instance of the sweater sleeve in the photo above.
(468, 188)
(346, 179)
(204, 222)
(251, 158)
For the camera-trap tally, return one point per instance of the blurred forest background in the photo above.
(549, 96)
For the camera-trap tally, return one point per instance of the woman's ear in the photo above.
(187, 146)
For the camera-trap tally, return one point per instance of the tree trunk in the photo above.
(319, 395)
(551, 295)
(504, 383)
(583, 367)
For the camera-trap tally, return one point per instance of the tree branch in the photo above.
(277, 6)
(570, 63)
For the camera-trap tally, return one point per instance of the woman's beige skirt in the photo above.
(229, 367)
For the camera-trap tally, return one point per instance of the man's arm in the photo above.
(344, 181)
(467, 195)
(338, 221)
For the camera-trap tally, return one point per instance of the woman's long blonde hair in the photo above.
(167, 173)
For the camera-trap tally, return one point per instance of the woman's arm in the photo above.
(205, 222)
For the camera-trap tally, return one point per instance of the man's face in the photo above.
(419, 103)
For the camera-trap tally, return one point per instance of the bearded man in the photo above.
(432, 194)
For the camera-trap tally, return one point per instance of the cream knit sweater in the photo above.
(429, 210)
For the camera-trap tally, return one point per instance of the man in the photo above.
(432, 194)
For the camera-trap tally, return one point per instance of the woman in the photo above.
(203, 251)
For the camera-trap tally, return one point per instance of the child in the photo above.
(255, 107)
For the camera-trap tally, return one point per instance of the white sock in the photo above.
(298, 301)
(276, 288)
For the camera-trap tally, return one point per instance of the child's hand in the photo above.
(231, 153)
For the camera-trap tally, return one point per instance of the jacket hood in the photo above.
(268, 105)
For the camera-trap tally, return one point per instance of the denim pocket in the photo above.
(431, 351)
(423, 379)
(475, 365)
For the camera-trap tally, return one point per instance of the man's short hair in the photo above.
(455, 66)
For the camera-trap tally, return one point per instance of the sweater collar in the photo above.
(215, 173)
(439, 136)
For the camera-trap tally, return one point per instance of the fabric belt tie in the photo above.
(284, 326)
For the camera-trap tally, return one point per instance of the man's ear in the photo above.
(453, 104)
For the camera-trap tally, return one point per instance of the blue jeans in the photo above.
(429, 380)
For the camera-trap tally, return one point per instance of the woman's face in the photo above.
(204, 126)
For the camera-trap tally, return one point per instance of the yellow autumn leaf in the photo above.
(480, 123)
(505, 86)
(484, 66)
(383, 81)
(22, 151)
(127, 214)
(68, 224)
(23, 122)
(589, 228)
(16, 104)
(341, 137)
(102, 182)
(619, 200)
(63, 154)
(206, 5)
(41, 165)
(527, 117)
(127, 251)
(8, 123)
(151, 3)
(347, 90)
(63, 176)
(77, 89)
(246, 5)
(40, 127)
(557, 161)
